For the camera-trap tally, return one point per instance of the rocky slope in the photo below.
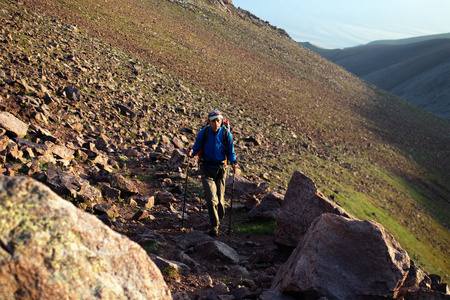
(94, 110)
(84, 114)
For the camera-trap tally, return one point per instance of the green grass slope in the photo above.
(375, 154)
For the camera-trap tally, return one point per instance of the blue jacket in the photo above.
(214, 151)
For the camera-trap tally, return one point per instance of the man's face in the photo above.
(215, 124)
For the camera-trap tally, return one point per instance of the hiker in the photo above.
(215, 144)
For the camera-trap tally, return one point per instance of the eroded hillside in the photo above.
(374, 154)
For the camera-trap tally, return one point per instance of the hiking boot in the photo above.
(213, 231)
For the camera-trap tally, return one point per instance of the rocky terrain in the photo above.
(106, 130)
(73, 117)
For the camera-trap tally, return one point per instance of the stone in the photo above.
(89, 194)
(140, 215)
(149, 202)
(422, 293)
(38, 148)
(12, 125)
(102, 143)
(61, 252)
(164, 197)
(181, 296)
(302, 204)
(252, 141)
(184, 258)
(65, 183)
(144, 234)
(178, 143)
(268, 208)
(145, 201)
(4, 142)
(251, 202)
(123, 184)
(177, 159)
(15, 154)
(415, 276)
(275, 295)
(109, 191)
(191, 239)
(72, 93)
(43, 133)
(218, 250)
(100, 159)
(110, 210)
(342, 258)
(163, 263)
(244, 187)
(62, 151)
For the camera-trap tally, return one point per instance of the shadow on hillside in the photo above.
(414, 147)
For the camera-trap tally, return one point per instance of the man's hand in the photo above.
(189, 152)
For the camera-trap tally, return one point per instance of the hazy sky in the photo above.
(345, 23)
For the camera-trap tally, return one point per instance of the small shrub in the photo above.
(151, 246)
(169, 273)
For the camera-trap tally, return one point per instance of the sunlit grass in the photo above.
(255, 227)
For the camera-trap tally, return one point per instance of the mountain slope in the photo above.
(412, 40)
(416, 71)
(309, 113)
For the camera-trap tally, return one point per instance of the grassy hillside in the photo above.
(416, 71)
(375, 154)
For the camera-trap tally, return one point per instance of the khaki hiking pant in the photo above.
(213, 180)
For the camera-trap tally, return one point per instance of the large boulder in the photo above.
(341, 258)
(302, 204)
(52, 250)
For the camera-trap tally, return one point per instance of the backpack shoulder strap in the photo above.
(205, 136)
(225, 138)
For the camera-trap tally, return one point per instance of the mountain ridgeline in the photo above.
(373, 153)
(415, 69)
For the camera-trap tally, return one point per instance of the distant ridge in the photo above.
(415, 69)
(411, 40)
(317, 49)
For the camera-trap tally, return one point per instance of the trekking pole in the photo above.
(231, 201)
(185, 192)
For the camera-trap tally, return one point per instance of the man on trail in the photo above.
(215, 144)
